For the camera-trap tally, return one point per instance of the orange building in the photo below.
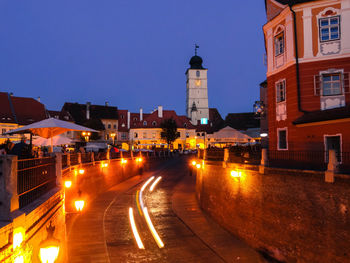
(308, 65)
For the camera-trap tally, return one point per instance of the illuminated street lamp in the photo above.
(113, 136)
(68, 184)
(79, 203)
(50, 247)
(86, 135)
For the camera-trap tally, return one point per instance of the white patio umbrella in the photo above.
(56, 140)
(49, 128)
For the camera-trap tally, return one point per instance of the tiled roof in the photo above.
(61, 115)
(78, 112)
(123, 120)
(153, 121)
(20, 110)
(242, 121)
(324, 115)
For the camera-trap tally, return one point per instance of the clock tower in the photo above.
(197, 108)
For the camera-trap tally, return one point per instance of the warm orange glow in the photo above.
(104, 165)
(134, 229)
(139, 160)
(49, 254)
(236, 174)
(75, 172)
(81, 171)
(18, 237)
(79, 205)
(194, 163)
(68, 184)
(83, 133)
(198, 166)
(124, 160)
(19, 259)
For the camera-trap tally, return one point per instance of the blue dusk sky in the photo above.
(131, 53)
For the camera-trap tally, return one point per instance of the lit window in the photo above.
(281, 91)
(279, 44)
(329, 28)
(282, 139)
(331, 84)
(204, 121)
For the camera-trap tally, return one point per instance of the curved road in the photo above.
(104, 233)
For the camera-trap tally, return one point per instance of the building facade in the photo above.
(308, 65)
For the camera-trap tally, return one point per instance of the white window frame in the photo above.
(278, 139)
(332, 72)
(329, 26)
(278, 98)
(279, 44)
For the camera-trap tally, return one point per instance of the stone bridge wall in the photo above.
(292, 216)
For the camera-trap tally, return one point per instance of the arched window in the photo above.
(279, 40)
(198, 73)
(135, 119)
(145, 123)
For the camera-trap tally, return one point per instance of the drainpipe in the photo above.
(296, 56)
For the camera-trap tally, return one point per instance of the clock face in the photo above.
(198, 82)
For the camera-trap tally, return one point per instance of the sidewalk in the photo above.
(227, 246)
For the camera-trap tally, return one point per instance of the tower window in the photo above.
(279, 44)
(198, 73)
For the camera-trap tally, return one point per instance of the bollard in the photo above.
(264, 161)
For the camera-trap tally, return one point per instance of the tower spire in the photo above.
(195, 49)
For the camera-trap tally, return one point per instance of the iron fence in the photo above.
(86, 157)
(309, 160)
(64, 160)
(114, 155)
(74, 160)
(246, 155)
(215, 154)
(100, 156)
(35, 177)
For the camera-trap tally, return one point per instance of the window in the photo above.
(281, 91)
(187, 135)
(282, 139)
(185, 125)
(109, 126)
(135, 119)
(198, 73)
(3, 131)
(154, 123)
(114, 126)
(329, 28)
(153, 135)
(123, 136)
(123, 125)
(145, 135)
(145, 123)
(135, 135)
(331, 84)
(122, 116)
(279, 44)
(204, 121)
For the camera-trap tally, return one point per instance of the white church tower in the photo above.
(197, 108)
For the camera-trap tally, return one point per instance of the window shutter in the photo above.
(317, 85)
(346, 82)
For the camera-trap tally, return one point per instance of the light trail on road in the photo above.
(153, 230)
(134, 229)
(155, 183)
(142, 189)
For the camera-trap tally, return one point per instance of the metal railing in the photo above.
(64, 160)
(214, 154)
(86, 157)
(35, 177)
(74, 159)
(309, 160)
(100, 156)
(114, 155)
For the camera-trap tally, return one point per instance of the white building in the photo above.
(197, 108)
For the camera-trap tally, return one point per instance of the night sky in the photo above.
(131, 53)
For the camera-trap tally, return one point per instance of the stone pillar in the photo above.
(58, 161)
(264, 160)
(331, 168)
(8, 187)
(132, 155)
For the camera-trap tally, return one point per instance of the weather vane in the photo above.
(195, 49)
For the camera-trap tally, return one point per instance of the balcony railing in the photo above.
(35, 177)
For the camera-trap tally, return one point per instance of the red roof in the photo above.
(23, 110)
(123, 119)
(153, 121)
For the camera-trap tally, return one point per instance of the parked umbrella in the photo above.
(49, 128)
(56, 140)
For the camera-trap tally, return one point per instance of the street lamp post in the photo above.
(86, 135)
(113, 137)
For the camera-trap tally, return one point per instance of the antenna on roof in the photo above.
(195, 49)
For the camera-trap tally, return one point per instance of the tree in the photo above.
(169, 133)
